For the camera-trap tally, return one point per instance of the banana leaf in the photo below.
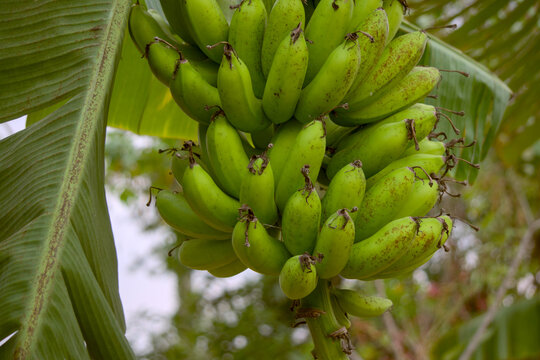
(59, 293)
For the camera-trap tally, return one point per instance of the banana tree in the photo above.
(70, 66)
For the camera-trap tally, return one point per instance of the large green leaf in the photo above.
(58, 269)
(513, 334)
(482, 96)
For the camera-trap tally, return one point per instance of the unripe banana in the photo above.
(301, 219)
(207, 68)
(284, 17)
(431, 235)
(332, 82)
(379, 251)
(411, 89)
(201, 254)
(226, 153)
(283, 143)
(346, 190)
(257, 189)
(209, 25)
(309, 148)
(423, 197)
(341, 315)
(325, 30)
(228, 270)
(246, 36)
(143, 28)
(362, 10)
(175, 12)
(382, 201)
(334, 244)
(180, 159)
(360, 305)
(177, 213)
(192, 93)
(426, 146)
(432, 164)
(207, 200)
(372, 46)
(396, 61)
(256, 248)
(298, 277)
(395, 10)
(238, 101)
(285, 78)
(162, 60)
(380, 144)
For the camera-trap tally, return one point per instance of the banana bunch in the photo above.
(315, 155)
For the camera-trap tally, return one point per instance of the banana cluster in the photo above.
(315, 156)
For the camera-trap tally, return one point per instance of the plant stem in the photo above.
(331, 339)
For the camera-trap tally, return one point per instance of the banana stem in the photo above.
(329, 337)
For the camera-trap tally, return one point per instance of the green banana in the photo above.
(256, 248)
(362, 10)
(285, 77)
(180, 159)
(284, 17)
(372, 46)
(340, 314)
(395, 10)
(301, 217)
(208, 70)
(192, 92)
(396, 61)
(379, 251)
(246, 36)
(380, 144)
(177, 213)
(143, 28)
(360, 305)
(431, 235)
(162, 60)
(334, 244)
(208, 24)
(207, 200)
(432, 164)
(269, 4)
(325, 30)
(308, 149)
(257, 189)
(238, 101)
(283, 143)
(411, 89)
(426, 146)
(201, 254)
(346, 190)
(331, 83)
(228, 270)
(175, 12)
(423, 197)
(226, 153)
(382, 201)
(298, 277)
